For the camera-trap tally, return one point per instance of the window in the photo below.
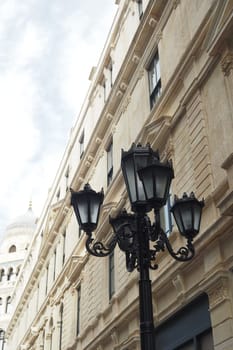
(2, 273)
(78, 309)
(58, 194)
(10, 274)
(67, 174)
(46, 279)
(12, 249)
(8, 304)
(81, 145)
(111, 76)
(54, 263)
(109, 164)
(60, 324)
(188, 329)
(64, 248)
(154, 80)
(111, 275)
(166, 217)
(2, 339)
(140, 8)
(202, 341)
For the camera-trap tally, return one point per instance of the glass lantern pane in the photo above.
(161, 184)
(178, 220)
(94, 209)
(197, 216)
(187, 217)
(83, 209)
(148, 183)
(129, 167)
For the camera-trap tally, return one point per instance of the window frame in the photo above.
(109, 152)
(154, 78)
(78, 310)
(111, 275)
(81, 145)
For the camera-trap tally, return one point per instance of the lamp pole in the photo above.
(147, 181)
(145, 294)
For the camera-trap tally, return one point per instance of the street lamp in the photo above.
(147, 182)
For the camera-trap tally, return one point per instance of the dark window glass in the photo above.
(140, 8)
(8, 303)
(188, 329)
(67, 174)
(109, 163)
(54, 266)
(12, 249)
(2, 339)
(81, 145)
(111, 275)
(154, 80)
(10, 274)
(78, 309)
(64, 248)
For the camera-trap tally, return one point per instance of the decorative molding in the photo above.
(109, 116)
(175, 3)
(178, 283)
(98, 140)
(135, 59)
(114, 336)
(152, 22)
(141, 73)
(119, 94)
(227, 62)
(123, 86)
(90, 158)
(125, 106)
(218, 293)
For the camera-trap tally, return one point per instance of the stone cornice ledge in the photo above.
(158, 131)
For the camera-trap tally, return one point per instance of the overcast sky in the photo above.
(47, 50)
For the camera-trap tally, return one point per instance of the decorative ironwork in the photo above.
(98, 249)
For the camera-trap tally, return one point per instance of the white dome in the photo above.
(19, 233)
(28, 220)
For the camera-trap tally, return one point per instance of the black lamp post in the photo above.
(148, 182)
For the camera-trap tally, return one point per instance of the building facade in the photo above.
(165, 77)
(13, 249)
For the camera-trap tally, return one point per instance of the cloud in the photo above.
(47, 51)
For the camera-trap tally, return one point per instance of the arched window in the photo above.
(12, 249)
(2, 273)
(10, 274)
(17, 270)
(8, 304)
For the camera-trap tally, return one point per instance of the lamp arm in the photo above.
(184, 253)
(98, 249)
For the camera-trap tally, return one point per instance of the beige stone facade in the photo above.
(165, 77)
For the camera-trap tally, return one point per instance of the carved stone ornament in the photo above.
(218, 293)
(135, 59)
(109, 116)
(25, 346)
(227, 63)
(175, 3)
(152, 22)
(114, 336)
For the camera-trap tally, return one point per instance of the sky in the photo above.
(47, 50)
